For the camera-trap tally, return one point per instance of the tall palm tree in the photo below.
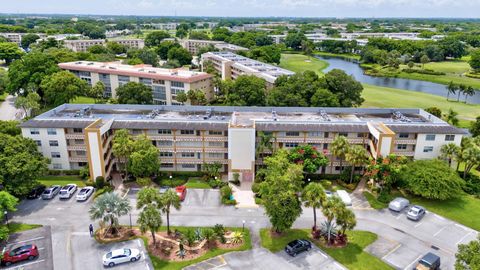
(330, 210)
(169, 199)
(108, 208)
(148, 196)
(339, 148)
(346, 220)
(461, 90)
(449, 152)
(314, 196)
(468, 92)
(265, 143)
(356, 156)
(451, 117)
(451, 89)
(150, 219)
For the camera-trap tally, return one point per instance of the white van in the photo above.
(343, 195)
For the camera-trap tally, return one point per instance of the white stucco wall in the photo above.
(47, 150)
(241, 148)
(386, 146)
(95, 154)
(437, 144)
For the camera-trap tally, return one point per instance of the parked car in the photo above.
(36, 192)
(164, 189)
(416, 212)
(428, 262)
(85, 193)
(51, 192)
(67, 191)
(328, 193)
(297, 246)
(22, 253)
(119, 256)
(343, 195)
(181, 192)
(398, 204)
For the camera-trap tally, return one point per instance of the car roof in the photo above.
(400, 199)
(294, 242)
(417, 207)
(117, 252)
(430, 257)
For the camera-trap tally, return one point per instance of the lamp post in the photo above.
(309, 180)
(170, 177)
(130, 215)
(6, 217)
(243, 225)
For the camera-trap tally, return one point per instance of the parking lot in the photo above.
(203, 198)
(39, 237)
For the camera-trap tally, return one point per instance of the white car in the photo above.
(67, 191)
(119, 256)
(85, 193)
(343, 195)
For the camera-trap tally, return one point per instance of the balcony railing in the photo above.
(75, 136)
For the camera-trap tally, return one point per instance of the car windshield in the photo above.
(414, 211)
(63, 192)
(47, 191)
(127, 251)
(292, 244)
(425, 263)
(83, 191)
(109, 255)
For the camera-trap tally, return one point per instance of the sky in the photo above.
(252, 8)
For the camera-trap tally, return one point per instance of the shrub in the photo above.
(216, 183)
(255, 187)
(472, 185)
(166, 181)
(99, 182)
(236, 179)
(228, 201)
(226, 192)
(144, 181)
(384, 197)
(84, 173)
(327, 184)
(423, 71)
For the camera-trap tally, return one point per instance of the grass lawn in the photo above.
(374, 203)
(344, 55)
(196, 182)
(15, 227)
(167, 265)
(63, 180)
(352, 256)
(301, 63)
(3, 97)
(83, 100)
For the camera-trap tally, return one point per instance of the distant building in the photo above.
(82, 45)
(165, 83)
(231, 65)
(164, 26)
(194, 45)
(117, 33)
(17, 37)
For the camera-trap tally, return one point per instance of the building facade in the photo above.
(231, 65)
(194, 45)
(82, 45)
(165, 83)
(74, 135)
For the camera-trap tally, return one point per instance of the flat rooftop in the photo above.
(144, 71)
(263, 118)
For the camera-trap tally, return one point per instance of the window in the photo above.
(176, 91)
(81, 153)
(188, 166)
(215, 144)
(34, 131)
(164, 143)
(159, 92)
(177, 84)
(82, 164)
(53, 143)
(430, 137)
(167, 165)
(315, 134)
(360, 135)
(79, 141)
(292, 133)
(291, 145)
(401, 147)
(188, 155)
(215, 155)
(51, 131)
(158, 81)
(325, 146)
(428, 149)
(164, 131)
(137, 131)
(55, 155)
(57, 166)
(77, 130)
(449, 138)
(215, 132)
(344, 134)
(145, 80)
(187, 132)
(39, 143)
(326, 135)
(166, 154)
(403, 135)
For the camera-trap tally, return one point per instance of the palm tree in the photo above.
(346, 220)
(461, 89)
(330, 209)
(150, 220)
(468, 92)
(449, 152)
(148, 196)
(339, 148)
(451, 117)
(265, 143)
(451, 89)
(108, 208)
(209, 235)
(314, 196)
(356, 156)
(122, 147)
(169, 199)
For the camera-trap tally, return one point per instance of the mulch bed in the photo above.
(123, 234)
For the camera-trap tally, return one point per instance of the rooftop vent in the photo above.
(208, 114)
(154, 113)
(400, 117)
(274, 115)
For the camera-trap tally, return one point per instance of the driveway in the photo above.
(8, 110)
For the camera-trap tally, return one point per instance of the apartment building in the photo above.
(193, 45)
(165, 83)
(17, 37)
(232, 65)
(73, 135)
(82, 45)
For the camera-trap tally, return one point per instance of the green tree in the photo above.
(164, 47)
(148, 196)
(116, 47)
(475, 127)
(452, 117)
(294, 40)
(435, 111)
(267, 54)
(122, 147)
(170, 199)
(452, 88)
(10, 127)
(247, 90)
(469, 154)
(28, 39)
(330, 210)
(468, 92)
(356, 156)
(3, 81)
(198, 35)
(97, 91)
(181, 33)
(155, 38)
(432, 179)
(29, 103)
(98, 49)
(146, 55)
(8, 202)
(134, 93)
(62, 87)
(314, 196)
(324, 98)
(107, 208)
(20, 164)
(475, 60)
(345, 218)
(339, 148)
(150, 219)
(468, 256)
(386, 171)
(309, 157)
(182, 97)
(345, 87)
(424, 59)
(9, 51)
(180, 54)
(449, 152)
(143, 161)
(264, 143)
(196, 97)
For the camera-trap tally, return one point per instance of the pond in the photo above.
(352, 67)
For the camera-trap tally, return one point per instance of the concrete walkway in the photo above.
(359, 202)
(8, 110)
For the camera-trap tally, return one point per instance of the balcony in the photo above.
(158, 137)
(79, 147)
(78, 159)
(74, 136)
(406, 141)
(404, 153)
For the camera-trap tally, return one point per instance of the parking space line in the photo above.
(23, 265)
(28, 240)
(399, 216)
(418, 224)
(463, 227)
(440, 231)
(391, 251)
(412, 263)
(148, 267)
(138, 243)
(463, 238)
(440, 217)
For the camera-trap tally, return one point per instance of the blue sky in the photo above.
(251, 8)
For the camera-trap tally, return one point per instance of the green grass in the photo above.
(3, 97)
(352, 256)
(381, 97)
(170, 265)
(301, 63)
(15, 227)
(83, 100)
(61, 180)
(197, 182)
(374, 203)
(343, 55)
